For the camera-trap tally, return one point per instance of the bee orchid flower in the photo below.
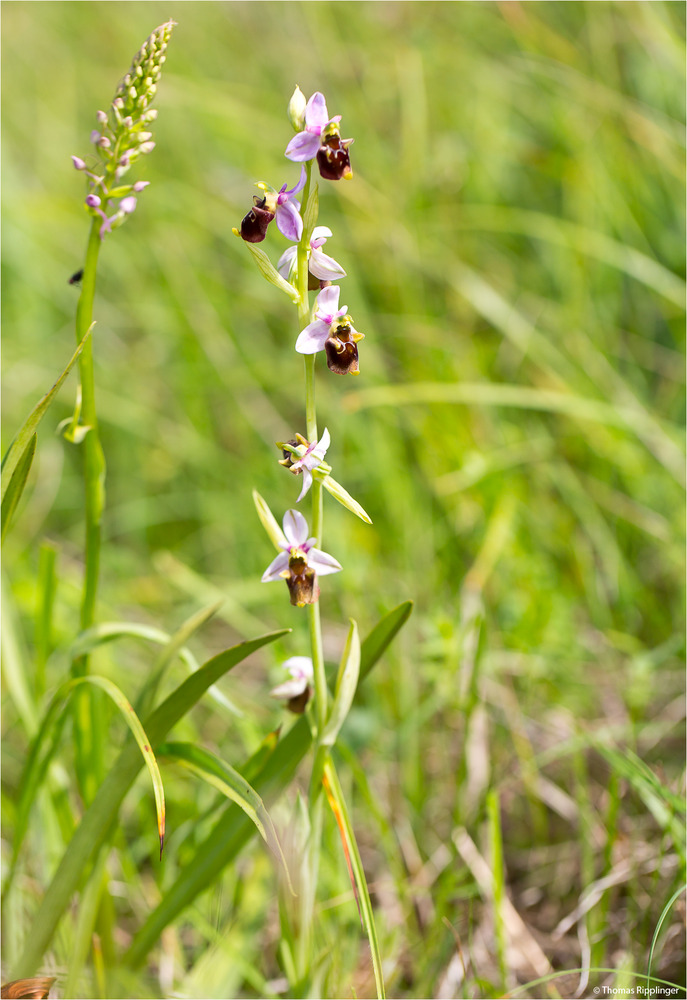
(300, 562)
(321, 139)
(332, 331)
(323, 267)
(296, 691)
(304, 458)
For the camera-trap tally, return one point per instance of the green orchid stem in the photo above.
(315, 810)
(93, 467)
(88, 709)
(320, 680)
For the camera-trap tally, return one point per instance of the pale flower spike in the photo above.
(122, 136)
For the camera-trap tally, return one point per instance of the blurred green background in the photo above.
(514, 242)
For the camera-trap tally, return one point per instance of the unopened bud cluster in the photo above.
(123, 134)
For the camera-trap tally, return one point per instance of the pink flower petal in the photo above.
(289, 222)
(276, 568)
(312, 339)
(322, 562)
(325, 268)
(286, 260)
(307, 483)
(328, 300)
(290, 689)
(295, 528)
(302, 147)
(316, 112)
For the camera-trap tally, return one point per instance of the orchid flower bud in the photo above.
(296, 109)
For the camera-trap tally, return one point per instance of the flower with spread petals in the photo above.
(304, 458)
(296, 691)
(323, 267)
(280, 204)
(300, 562)
(305, 145)
(321, 139)
(332, 330)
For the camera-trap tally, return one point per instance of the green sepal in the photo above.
(269, 522)
(346, 684)
(345, 498)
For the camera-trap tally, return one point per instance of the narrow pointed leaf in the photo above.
(17, 449)
(101, 814)
(375, 644)
(99, 635)
(15, 486)
(269, 521)
(269, 271)
(345, 498)
(172, 648)
(346, 684)
(232, 784)
(52, 723)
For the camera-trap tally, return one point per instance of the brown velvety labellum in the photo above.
(301, 583)
(254, 224)
(342, 358)
(333, 158)
(37, 988)
(298, 703)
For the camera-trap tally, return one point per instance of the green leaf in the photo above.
(37, 763)
(269, 522)
(375, 644)
(346, 684)
(173, 647)
(232, 784)
(345, 498)
(233, 829)
(101, 814)
(16, 451)
(16, 485)
(269, 271)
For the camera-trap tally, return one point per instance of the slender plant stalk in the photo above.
(312, 859)
(94, 464)
(320, 680)
(88, 707)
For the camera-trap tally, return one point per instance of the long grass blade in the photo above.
(231, 783)
(661, 920)
(367, 915)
